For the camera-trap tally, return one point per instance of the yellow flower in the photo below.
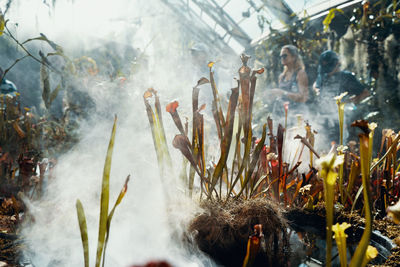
(372, 126)
(330, 161)
(339, 97)
(371, 253)
(340, 228)
(340, 238)
(327, 164)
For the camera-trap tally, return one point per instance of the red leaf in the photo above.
(362, 124)
(171, 107)
(260, 71)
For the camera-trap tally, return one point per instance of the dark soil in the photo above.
(10, 245)
(386, 227)
(222, 232)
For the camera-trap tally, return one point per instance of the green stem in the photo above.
(359, 254)
(329, 195)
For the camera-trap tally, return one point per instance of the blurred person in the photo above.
(293, 81)
(7, 87)
(331, 82)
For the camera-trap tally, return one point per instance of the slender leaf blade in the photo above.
(110, 216)
(105, 195)
(83, 228)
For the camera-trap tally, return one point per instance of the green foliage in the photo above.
(340, 238)
(157, 129)
(104, 199)
(244, 168)
(194, 152)
(105, 217)
(359, 254)
(2, 23)
(83, 228)
(110, 216)
(328, 19)
(341, 122)
(329, 175)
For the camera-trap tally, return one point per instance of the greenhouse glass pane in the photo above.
(250, 25)
(313, 6)
(235, 9)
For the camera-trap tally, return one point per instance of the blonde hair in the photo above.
(298, 62)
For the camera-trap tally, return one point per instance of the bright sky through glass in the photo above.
(246, 14)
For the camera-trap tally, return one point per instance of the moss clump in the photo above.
(222, 231)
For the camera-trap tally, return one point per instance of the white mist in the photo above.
(145, 226)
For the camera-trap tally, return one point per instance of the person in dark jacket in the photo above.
(331, 82)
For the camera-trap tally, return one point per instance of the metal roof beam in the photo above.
(218, 14)
(202, 30)
(281, 10)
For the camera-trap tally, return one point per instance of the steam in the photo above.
(144, 227)
(140, 230)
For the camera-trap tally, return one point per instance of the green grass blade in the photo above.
(161, 139)
(150, 115)
(83, 228)
(110, 216)
(157, 129)
(105, 195)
